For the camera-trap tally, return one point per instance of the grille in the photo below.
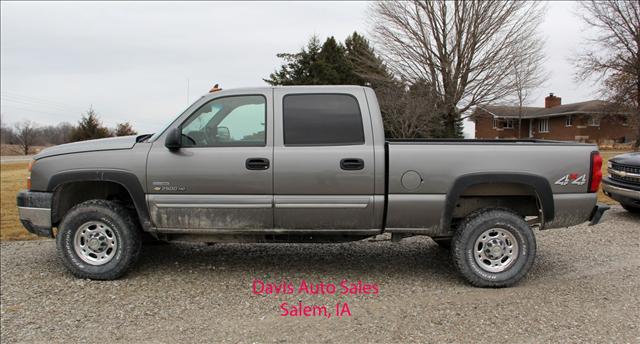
(615, 167)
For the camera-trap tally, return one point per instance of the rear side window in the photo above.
(322, 119)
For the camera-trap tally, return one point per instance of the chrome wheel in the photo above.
(95, 243)
(495, 250)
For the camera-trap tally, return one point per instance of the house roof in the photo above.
(588, 107)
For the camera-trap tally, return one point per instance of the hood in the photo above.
(632, 159)
(111, 143)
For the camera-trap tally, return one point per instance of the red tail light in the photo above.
(596, 171)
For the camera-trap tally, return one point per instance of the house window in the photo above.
(568, 121)
(496, 123)
(543, 125)
(625, 121)
(594, 121)
(508, 124)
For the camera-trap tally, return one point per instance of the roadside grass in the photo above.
(606, 155)
(7, 149)
(14, 177)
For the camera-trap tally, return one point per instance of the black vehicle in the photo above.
(623, 181)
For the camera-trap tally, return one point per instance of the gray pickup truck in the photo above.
(305, 164)
(623, 181)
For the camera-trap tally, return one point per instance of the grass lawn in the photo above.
(606, 155)
(14, 178)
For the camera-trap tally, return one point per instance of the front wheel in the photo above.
(631, 208)
(98, 239)
(493, 248)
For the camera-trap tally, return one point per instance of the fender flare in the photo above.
(126, 179)
(539, 184)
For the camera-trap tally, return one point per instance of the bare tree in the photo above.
(408, 111)
(466, 50)
(6, 133)
(528, 74)
(612, 54)
(26, 134)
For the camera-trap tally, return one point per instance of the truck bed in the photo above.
(422, 172)
(482, 141)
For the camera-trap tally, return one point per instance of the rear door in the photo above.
(323, 159)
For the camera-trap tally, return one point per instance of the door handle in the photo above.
(257, 164)
(351, 164)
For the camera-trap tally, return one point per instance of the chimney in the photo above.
(552, 101)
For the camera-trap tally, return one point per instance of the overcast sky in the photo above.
(131, 61)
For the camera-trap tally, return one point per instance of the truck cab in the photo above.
(301, 160)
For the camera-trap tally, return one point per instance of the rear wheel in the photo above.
(493, 248)
(98, 239)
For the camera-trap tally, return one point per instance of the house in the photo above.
(591, 121)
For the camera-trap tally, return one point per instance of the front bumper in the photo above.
(34, 209)
(617, 190)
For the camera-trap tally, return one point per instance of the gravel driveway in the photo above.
(584, 286)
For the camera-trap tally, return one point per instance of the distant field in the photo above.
(14, 176)
(7, 149)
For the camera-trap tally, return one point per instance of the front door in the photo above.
(323, 160)
(221, 177)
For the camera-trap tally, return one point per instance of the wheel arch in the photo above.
(122, 179)
(538, 184)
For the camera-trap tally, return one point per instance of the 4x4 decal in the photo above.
(572, 178)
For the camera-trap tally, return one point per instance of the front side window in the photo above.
(322, 119)
(227, 121)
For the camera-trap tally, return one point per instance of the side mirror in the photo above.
(223, 134)
(174, 139)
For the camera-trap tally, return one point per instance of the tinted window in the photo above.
(228, 121)
(316, 119)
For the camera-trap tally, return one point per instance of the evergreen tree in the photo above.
(334, 67)
(316, 64)
(89, 128)
(124, 129)
(368, 67)
(299, 68)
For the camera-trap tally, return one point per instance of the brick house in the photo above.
(590, 121)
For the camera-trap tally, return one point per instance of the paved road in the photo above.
(584, 287)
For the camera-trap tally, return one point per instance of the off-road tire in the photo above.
(630, 208)
(120, 221)
(464, 241)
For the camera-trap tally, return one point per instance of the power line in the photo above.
(39, 99)
(32, 103)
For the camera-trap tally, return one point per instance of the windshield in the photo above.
(159, 132)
